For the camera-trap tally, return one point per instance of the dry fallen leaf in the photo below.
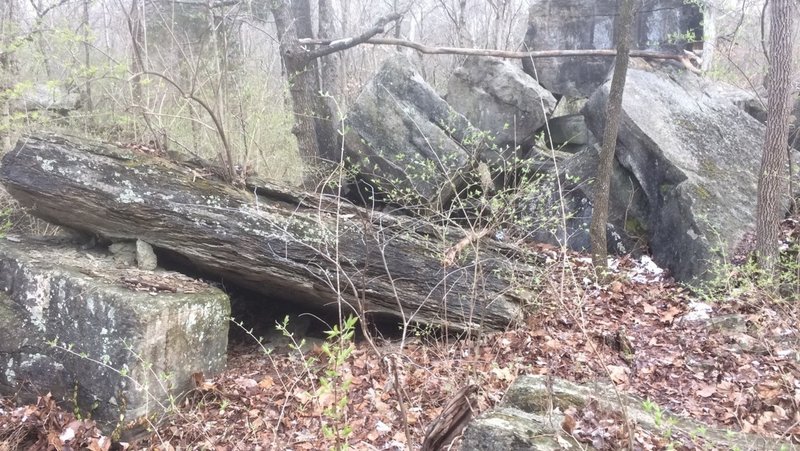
(669, 316)
(568, 425)
(706, 391)
(266, 383)
(618, 374)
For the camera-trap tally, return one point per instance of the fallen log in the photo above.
(291, 246)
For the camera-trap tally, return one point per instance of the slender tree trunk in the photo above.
(602, 188)
(330, 63)
(40, 41)
(136, 31)
(87, 61)
(773, 180)
(216, 30)
(8, 68)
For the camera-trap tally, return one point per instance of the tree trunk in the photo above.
(602, 188)
(314, 128)
(290, 246)
(8, 68)
(330, 63)
(136, 31)
(87, 62)
(773, 178)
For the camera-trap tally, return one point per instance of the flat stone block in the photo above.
(118, 342)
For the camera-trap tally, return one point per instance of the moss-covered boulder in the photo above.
(532, 417)
(116, 343)
(694, 155)
(499, 98)
(404, 140)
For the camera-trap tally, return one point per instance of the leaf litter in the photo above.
(733, 364)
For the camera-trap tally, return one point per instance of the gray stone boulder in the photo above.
(404, 139)
(589, 24)
(531, 414)
(695, 157)
(499, 98)
(568, 133)
(48, 97)
(111, 340)
(626, 230)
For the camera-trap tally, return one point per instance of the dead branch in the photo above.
(333, 46)
(489, 52)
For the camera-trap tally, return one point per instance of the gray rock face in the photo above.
(756, 107)
(695, 156)
(567, 131)
(402, 137)
(43, 97)
(626, 230)
(123, 252)
(531, 413)
(129, 349)
(498, 97)
(589, 24)
(145, 257)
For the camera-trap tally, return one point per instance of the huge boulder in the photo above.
(499, 98)
(534, 408)
(112, 341)
(404, 139)
(589, 24)
(695, 156)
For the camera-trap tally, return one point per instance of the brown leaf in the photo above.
(670, 314)
(706, 391)
(568, 425)
(266, 383)
(618, 374)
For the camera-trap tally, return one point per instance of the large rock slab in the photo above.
(500, 98)
(131, 344)
(533, 409)
(695, 155)
(275, 240)
(589, 24)
(403, 138)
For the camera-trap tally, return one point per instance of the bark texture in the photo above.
(300, 248)
(314, 127)
(773, 177)
(598, 226)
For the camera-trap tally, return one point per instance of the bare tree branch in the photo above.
(333, 46)
(40, 13)
(212, 5)
(214, 117)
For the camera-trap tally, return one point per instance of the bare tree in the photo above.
(602, 188)
(772, 182)
(87, 58)
(314, 129)
(8, 66)
(314, 126)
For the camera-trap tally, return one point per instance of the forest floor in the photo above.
(738, 369)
